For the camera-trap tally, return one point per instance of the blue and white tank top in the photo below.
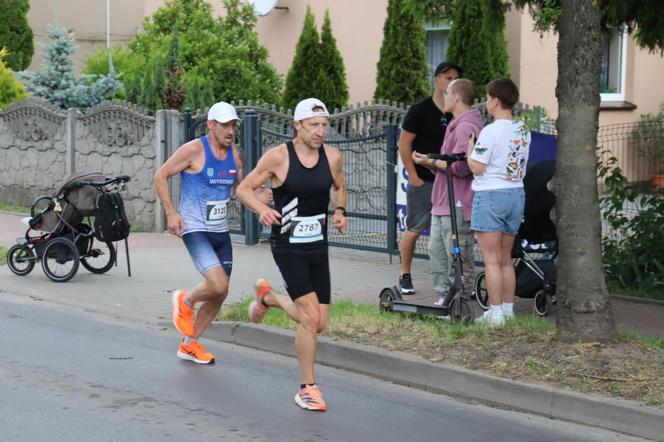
(205, 195)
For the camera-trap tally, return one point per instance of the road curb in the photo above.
(406, 369)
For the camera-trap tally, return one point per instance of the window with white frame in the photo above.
(614, 62)
(438, 36)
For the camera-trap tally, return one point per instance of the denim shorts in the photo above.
(499, 210)
(210, 249)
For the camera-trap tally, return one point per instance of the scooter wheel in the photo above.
(386, 300)
(480, 292)
(465, 314)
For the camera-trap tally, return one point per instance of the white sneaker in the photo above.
(508, 315)
(491, 320)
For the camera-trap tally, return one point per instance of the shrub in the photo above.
(633, 256)
(11, 89)
(15, 34)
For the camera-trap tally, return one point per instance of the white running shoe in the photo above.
(491, 320)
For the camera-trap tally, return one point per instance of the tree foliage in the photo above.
(218, 58)
(318, 68)
(644, 18)
(55, 79)
(402, 67)
(16, 34)
(333, 89)
(304, 73)
(11, 89)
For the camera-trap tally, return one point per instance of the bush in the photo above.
(648, 137)
(15, 34)
(11, 89)
(633, 257)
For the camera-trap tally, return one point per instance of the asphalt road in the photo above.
(76, 376)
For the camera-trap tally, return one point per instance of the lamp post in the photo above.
(108, 24)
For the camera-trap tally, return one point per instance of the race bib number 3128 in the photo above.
(216, 212)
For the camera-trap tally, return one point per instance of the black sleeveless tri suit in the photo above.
(299, 243)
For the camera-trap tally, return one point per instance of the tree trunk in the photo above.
(584, 308)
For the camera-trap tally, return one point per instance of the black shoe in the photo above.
(406, 284)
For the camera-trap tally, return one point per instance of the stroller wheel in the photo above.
(60, 259)
(100, 258)
(21, 259)
(480, 292)
(541, 302)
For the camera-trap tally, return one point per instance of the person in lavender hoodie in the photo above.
(458, 99)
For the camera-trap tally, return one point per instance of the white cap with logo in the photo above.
(222, 112)
(305, 109)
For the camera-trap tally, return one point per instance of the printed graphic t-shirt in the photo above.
(504, 148)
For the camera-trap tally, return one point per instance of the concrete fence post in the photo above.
(70, 141)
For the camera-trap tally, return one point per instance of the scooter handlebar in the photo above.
(445, 157)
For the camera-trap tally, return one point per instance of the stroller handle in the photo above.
(449, 158)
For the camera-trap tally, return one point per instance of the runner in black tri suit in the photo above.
(301, 173)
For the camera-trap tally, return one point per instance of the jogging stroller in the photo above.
(58, 236)
(536, 245)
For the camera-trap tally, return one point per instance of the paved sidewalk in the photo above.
(160, 264)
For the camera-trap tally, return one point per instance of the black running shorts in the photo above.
(304, 271)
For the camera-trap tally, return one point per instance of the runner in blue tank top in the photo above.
(210, 167)
(301, 174)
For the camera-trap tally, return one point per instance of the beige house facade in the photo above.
(630, 77)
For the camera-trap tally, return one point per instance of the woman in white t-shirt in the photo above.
(498, 162)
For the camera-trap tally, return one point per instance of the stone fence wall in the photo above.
(41, 146)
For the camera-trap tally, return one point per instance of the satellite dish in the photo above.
(262, 7)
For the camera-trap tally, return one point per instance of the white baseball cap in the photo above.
(222, 112)
(305, 109)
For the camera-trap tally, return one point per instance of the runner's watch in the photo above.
(343, 210)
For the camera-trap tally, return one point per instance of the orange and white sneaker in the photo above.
(257, 309)
(310, 398)
(183, 314)
(195, 352)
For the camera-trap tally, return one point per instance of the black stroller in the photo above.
(536, 245)
(58, 236)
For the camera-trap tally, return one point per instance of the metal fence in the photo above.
(367, 138)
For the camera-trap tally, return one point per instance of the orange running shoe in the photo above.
(183, 315)
(257, 309)
(195, 352)
(310, 398)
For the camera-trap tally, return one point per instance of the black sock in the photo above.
(307, 385)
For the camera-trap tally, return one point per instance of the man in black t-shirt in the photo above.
(422, 130)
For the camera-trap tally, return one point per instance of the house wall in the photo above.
(358, 28)
(533, 59)
(87, 19)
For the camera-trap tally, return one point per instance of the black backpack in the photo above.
(111, 223)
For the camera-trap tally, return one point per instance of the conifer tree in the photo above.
(477, 43)
(402, 67)
(304, 73)
(55, 79)
(332, 86)
(11, 89)
(173, 91)
(16, 34)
